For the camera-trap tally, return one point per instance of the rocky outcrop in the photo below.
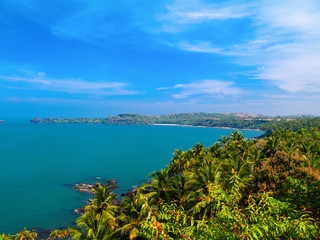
(36, 120)
(82, 210)
(112, 184)
(87, 187)
(128, 194)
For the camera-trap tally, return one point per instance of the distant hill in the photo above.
(230, 120)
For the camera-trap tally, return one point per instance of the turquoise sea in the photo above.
(40, 163)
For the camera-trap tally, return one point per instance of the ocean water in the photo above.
(40, 164)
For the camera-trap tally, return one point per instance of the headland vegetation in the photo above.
(219, 120)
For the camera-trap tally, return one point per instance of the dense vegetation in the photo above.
(232, 120)
(293, 125)
(235, 189)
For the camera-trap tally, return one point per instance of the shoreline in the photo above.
(183, 125)
(152, 124)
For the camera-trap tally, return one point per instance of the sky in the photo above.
(96, 58)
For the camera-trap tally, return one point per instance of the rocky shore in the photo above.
(90, 188)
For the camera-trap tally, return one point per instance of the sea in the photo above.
(41, 163)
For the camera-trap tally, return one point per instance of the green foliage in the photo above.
(62, 234)
(100, 221)
(294, 125)
(23, 235)
(260, 217)
(231, 120)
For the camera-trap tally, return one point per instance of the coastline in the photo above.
(152, 124)
(183, 125)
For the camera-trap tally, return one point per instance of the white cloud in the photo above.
(163, 88)
(204, 47)
(300, 73)
(39, 81)
(285, 38)
(212, 88)
(181, 14)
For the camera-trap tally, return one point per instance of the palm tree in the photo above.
(135, 211)
(215, 150)
(94, 226)
(163, 186)
(177, 163)
(273, 145)
(236, 136)
(198, 150)
(311, 152)
(100, 221)
(224, 140)
(239, 159)
(197, 181)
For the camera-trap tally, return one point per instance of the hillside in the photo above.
(230, 120)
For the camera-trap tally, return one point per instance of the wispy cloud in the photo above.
(211, 88)
(87, 22)
(284, 43)
(30, 80)
(204, 47)
(182, 14)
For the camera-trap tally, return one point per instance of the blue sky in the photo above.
(98, 58)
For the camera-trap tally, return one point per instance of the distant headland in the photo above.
(226, 120)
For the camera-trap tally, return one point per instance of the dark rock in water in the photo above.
(82, 210)
(1, 121)
(89, 202)
(86, 187)
(112, 184)
(112, 181)
(43, 233)
(36, 120)
(128, 194)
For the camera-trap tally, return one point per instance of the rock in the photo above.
(112, 184)
(83, 210)
(80, 211)
(36, 120)
(1, 121)
(85, 187)
(128, 194)
(112, 181)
